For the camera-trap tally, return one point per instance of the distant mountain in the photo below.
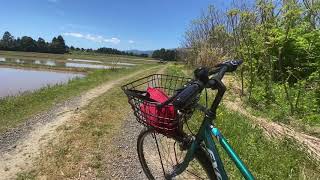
(135, 51)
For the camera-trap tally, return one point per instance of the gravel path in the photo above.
(9, 139)
(122, 162)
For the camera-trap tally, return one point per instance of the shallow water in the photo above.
(76, 63)
(14, 81)
(125, 64)
(84, 65)
(85, 60)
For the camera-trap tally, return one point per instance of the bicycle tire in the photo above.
(201, 156)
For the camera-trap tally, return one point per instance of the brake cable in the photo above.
(205, 89)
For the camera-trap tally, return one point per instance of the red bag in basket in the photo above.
(157, 117)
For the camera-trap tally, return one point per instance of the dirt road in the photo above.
(20, 146)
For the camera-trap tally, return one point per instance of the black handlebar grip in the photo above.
(186, 96)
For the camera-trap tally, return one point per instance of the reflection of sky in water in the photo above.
(50, 63)
(84, 60)
(14, 81)
(37, 62)
(19, 61)
(122, 63)
(76, 63)
(93, 66)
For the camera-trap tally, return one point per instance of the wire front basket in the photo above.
(165, 119)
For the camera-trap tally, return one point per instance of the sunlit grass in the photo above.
(266, 158)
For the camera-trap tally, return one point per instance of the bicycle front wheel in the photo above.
(159, 155)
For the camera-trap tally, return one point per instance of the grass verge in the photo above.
(15, 109)
(273, 112)
(266, 158)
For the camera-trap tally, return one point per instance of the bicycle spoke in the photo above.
(170, 155)
(192, 173)
(175, 153)
(155, 138)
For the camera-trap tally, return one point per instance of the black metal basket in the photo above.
(147, 111)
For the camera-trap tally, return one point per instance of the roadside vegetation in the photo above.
(266, 158)
(15, 109)
(279, 43)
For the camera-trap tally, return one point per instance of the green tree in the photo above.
(28, 44)
(280, 45)
(17, 44)
(167, 55)
(58, 45)
(7, 41)
(42, 45)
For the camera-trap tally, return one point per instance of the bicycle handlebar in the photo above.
(188, 93)
(181, 99)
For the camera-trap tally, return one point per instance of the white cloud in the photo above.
(73, 34)
(131, 41)
(95, 38)
(112, 40)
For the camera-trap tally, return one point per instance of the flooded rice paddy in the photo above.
(76, 63)
(15, 81)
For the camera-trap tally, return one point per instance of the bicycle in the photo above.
(166, 123)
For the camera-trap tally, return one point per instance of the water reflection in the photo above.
(14, 81)
(122, 63)
(50, 63)
(37, 62)
(75, 63)
(93, 66)
(84, 60)
(19, 61)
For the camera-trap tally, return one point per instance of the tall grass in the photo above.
(266, 158)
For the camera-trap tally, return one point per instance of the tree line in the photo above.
(165, 54)
(26, 43)
(279, 42)
(57, 46)
(105, 50)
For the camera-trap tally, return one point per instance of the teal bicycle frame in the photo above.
(205, 133)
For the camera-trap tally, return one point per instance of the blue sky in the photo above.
(121, 24)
